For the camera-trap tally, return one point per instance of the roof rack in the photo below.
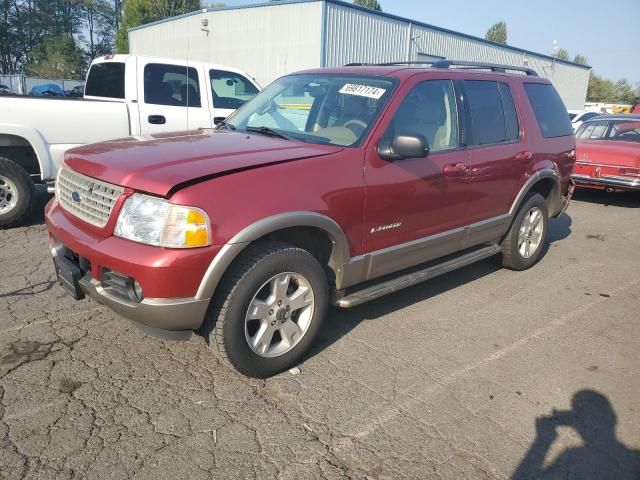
(494, 67)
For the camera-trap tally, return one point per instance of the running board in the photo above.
(379, 290)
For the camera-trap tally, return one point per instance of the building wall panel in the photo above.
(266, 42)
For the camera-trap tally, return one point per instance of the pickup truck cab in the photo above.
(330, 187)
(124, 95)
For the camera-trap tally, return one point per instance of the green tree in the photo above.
(624, 91)
(562, 54)
(497, 33)
(139, 12)
(372, 4)
(58, 57)
(581, 59)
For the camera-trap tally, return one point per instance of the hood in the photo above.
(158, 163)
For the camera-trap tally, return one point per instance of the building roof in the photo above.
(373, 12)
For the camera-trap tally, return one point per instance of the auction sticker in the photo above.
(362, 91)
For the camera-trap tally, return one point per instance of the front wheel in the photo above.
(523, 245)
(268, 309)
(16, 193)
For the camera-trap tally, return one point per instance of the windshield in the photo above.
(327, 109)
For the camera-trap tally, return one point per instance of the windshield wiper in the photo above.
(268, 131)
(225, 125)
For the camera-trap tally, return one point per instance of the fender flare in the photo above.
(554, 199)
(36, 141)
(340, 253)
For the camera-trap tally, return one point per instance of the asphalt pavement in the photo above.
(483, 373)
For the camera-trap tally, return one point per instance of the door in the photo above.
(416, 208)
(229, 91)
(500, 157)
(172, 99)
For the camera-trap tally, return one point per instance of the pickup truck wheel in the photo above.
(268, 309)
(524, 243)
(16, 193)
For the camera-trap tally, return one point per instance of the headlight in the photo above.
(155, 221)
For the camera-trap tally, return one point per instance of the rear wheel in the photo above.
(16, 193)
(268, 309)
(523, 245)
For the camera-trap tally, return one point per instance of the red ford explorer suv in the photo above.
(331, 187)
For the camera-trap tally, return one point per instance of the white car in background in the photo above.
(578, 117)
(124, 95)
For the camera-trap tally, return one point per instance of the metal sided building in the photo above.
(268, 40)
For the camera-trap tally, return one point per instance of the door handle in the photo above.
(524, 157)
(218, 120)
(157, 119)
(454, 169)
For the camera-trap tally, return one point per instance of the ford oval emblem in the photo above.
(76, 197)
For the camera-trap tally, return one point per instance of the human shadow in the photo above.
(602, 456)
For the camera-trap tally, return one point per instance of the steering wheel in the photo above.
(357, 123)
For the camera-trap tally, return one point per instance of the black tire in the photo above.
(24, 187)
(224, 326)
(511, 255)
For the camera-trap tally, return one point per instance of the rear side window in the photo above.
(493, 113)
(549, 110)
(173, 85)
(106, 80)
(592, 130)
(230, 89)
(511, 125)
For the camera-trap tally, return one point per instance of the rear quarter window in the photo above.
(106, 80)
(550, 112)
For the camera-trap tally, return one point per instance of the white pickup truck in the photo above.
(124, 95)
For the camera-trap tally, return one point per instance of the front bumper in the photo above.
(170, 307)
(161, 317)
(607, 181)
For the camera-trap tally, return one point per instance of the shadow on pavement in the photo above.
(601, 457)
(613, 199)
(340, 322)
(36, 217)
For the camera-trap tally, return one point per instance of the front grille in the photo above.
(88, 199)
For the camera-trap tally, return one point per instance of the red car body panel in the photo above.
(602, 158)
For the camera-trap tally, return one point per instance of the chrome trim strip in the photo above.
(589, 164)
(607, 180)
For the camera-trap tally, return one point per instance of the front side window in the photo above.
(429, 110)
(549, 110)
(172, 85)
(230, 90)
(327, 109)
(106, 80)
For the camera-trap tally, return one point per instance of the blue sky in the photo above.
(606, 32)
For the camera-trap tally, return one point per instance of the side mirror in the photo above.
(404, 146)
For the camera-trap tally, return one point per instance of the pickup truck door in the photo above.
(416, 208)
(229, 91)
(172, 97)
